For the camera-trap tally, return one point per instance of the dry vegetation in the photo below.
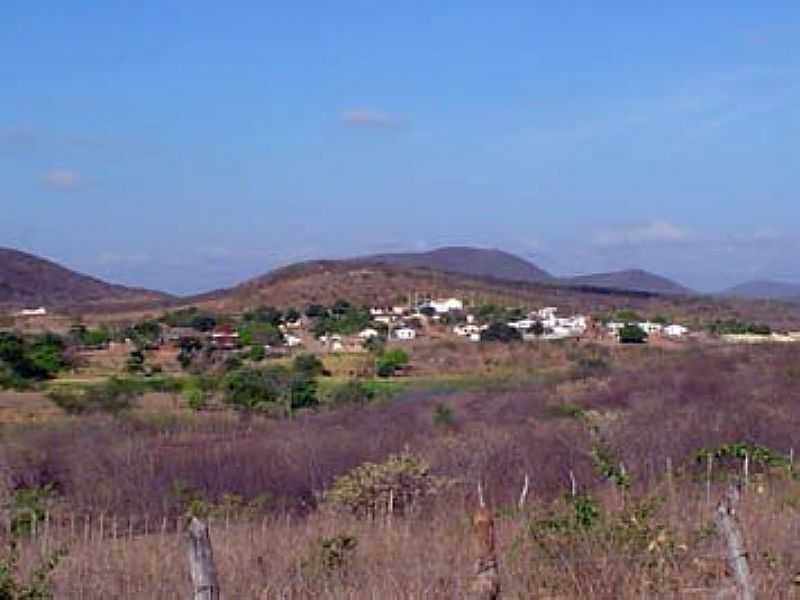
(642, 534)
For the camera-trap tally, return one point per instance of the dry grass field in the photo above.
(120, 488)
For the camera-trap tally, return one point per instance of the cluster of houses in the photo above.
(651, 328)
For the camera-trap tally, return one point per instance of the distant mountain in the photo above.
(634, 280)
(464, 260)
(766, 289)
(27, 280)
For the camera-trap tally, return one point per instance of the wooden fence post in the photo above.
(486, 584)
(736, 553)
(205, 585)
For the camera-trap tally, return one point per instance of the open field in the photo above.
(263, 482)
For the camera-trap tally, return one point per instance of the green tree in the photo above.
(388, 363)
(257, 353)
(500, 332)
(260, 333)
(632, 334)
(309, 364)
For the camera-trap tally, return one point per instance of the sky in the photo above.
(187, 146)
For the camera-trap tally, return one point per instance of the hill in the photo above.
(373, 283)
(465, 260)
(766, 289)
(27, 280)
(635, 280)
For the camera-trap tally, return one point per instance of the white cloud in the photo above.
(364, 117)
(641, 233)
(62, 179)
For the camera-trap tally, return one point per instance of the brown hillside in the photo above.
(27, 280)
(379, 284)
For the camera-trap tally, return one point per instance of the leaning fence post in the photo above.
(205, 585)
(486, 584)
(736, 553)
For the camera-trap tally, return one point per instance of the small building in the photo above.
(675, 330)
(446, 305)
(33, 312)
(225, 337)
(292, 341)
(467, 330)
(405, 333)
(651, 328)
(174, 335)
(368, 333)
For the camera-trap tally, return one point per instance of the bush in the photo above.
(632, 334)
(443, 416)
(351, 392)
(257, 353)
(38, 586)
(373, 489)
(113, 397)
(196, 399)
(330, 556)
(390, 362)
(308, 364)
(500, 332)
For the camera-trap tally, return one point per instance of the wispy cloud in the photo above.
(364, 117)
(641, 233)
(64, 180)
(23, 141)
(116, 259)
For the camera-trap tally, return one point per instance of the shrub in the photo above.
(38, 586)
(309, 364)
(390, 362)
(351, 392)
(443, 416)
(113, 397)
(395, 485)
(330, 556)
(257, 353)
(632, 334)
(196, 399)
(500, 332)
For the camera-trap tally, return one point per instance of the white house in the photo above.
(615, 326)
(651, 328)
(368, 333)
(675, 330)
(467, 330)
(405, 333)
(446, 305)
(292, 341)
(33, 312)
(522, 324)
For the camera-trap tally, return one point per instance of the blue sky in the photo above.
(189, 145)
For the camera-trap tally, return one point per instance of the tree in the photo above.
(390, 362)
(259, 333)
(94, 338)
(632, 334)
(292, 314)
(265, 314)
(250, 389)
(257, 353)
(189, 348)
(314, 311)
(308, 364)
(303, 391)
(500, 332)
(628, 316)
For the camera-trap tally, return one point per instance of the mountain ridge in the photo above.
(30, 280)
